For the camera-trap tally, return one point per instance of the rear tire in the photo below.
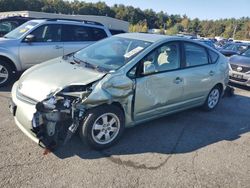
(213, 99)
(103, 126)
(6, 73)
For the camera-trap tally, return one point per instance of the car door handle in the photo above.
(211, 73)
(58, 47)
(178, 80)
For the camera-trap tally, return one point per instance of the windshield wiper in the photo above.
(89, 65)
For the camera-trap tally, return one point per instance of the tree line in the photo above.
(140, 20)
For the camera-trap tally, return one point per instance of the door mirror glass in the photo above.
(148, 68)
(29, 38)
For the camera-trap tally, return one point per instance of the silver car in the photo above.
(116, 83)
(239, 72)
(37, 41)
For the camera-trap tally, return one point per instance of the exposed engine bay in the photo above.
(58, 117)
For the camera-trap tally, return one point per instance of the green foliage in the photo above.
(140, 27)
(140, 20)
(175, 29)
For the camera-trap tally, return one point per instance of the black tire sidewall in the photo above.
(10, 72)
(206, 106)
(91, 116)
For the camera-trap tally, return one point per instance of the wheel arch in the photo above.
(8, 60)
(220, 86)
(115, 104)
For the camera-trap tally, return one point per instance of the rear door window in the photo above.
(75, 33)
(195, 55)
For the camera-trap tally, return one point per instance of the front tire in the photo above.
(103, 126)
(213, 99)
(6, 73)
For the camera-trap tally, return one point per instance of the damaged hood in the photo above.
(41, 80)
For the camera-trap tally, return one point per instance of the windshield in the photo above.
(21, 30)
(246, 53)
(236, 48)
(7, 26)
(231, 47)
(111, 53)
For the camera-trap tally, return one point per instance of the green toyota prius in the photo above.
(116, 83)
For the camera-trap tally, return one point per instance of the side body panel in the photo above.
(38, 52)
(157, 94)
(198, 81)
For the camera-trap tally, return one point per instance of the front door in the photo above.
(46, 45)
(159, 86)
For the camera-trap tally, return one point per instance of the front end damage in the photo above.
(54, 123)
(59, 116)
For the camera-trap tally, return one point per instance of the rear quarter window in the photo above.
(213, 56)
(98, 34)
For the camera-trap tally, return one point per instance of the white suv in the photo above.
(40, 40)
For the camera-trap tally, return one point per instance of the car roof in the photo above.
(240, 43)
(153, 38)
(16, 18)
(65, 21)
(147, 37)
(37, 20)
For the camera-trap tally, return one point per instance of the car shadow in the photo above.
(6, 88)
(175, 134)
(9, 86)
(239, 86)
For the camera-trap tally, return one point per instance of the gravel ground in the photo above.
(188, 149)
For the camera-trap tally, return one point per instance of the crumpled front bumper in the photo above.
(48, 127)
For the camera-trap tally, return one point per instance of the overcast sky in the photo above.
(202, 9)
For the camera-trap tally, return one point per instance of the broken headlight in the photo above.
(50, 103)
(55, 103)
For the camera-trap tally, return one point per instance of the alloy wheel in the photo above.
(4, 74)
(213, 98)
(105, 128)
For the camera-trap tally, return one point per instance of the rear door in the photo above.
(159, 91)
(76, 37)
(47, 45)
(198, 73)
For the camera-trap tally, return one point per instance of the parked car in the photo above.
(234, 48)
(37, 41)
(10, 23)
(116, 32)
(115, 83)
(208, 42)
(240, 68)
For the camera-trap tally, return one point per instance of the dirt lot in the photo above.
(188, 149)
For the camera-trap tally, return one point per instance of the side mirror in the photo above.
(30, 38)
(148, 68)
